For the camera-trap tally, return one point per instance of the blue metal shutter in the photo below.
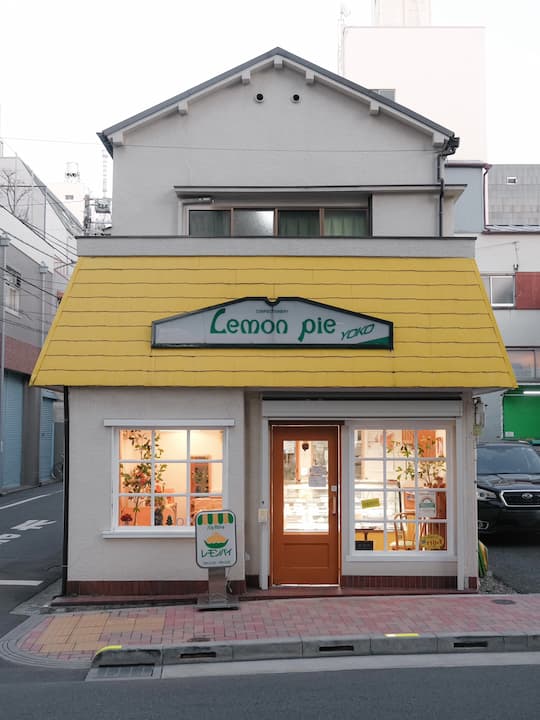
(46, 438)
(13, 429)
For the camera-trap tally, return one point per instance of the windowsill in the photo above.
(148, 533)
(388, 556)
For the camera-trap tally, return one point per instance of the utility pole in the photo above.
(4, 242)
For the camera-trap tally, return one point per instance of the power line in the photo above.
(240, 149)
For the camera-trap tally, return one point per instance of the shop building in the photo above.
(281, 324)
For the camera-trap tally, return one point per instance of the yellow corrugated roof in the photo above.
(445, 334)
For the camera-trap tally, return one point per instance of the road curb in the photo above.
(310, 647)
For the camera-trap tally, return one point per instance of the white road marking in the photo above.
(6, 537)
(21, 502)
(33, 583)
(33, 524)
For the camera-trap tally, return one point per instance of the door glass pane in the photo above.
(253, 222)
(305, 486)
(298, 223)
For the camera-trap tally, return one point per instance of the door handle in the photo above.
(334, 504)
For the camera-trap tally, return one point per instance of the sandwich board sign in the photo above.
(215, 538)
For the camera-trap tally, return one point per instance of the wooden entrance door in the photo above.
(305, 505)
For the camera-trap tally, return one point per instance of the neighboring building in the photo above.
(72, 191)
(54, 227)
(282, 325)
(39, 236)
(509, 257)
(27, 422)
(514, 196)
(439, 71)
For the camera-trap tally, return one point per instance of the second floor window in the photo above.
(255, 222)
(525, 362)
(500, 289)
(12, 290)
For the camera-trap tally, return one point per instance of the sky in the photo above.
(72, 68)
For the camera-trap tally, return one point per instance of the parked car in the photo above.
(507, 487)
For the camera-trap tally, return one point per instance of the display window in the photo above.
(400, 489)
(166, 476)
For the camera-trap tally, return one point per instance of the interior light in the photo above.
(531, 392)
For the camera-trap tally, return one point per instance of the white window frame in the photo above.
(259, 204)
(353, 555)
(12, 289)
(489, 278)
(116, 425)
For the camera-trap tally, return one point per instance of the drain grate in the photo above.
(121, 672)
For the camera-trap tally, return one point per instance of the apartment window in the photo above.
(525, 362)
(250, 222)
(280, 222)
(400, 489)
(166, 476)
(210, 223)
(12, 292)
(511, 180)
(500, 289)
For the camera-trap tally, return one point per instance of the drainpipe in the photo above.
(4, 242)
(43, 269)
(66, 493)
(449, 148)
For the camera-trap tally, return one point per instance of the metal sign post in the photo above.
(215, 547)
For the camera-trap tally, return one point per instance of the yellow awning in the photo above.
(445, 334)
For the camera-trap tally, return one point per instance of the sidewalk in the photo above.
(278, 628)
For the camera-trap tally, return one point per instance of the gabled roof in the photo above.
(279, 58)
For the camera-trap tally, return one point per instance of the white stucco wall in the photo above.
(228, 139)
(93, 473)
(499, 252)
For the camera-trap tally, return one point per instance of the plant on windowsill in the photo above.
(139, 480)
(431, 473)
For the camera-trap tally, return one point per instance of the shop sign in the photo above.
(432, 542)
(427, 505)
(285, 322)
(370, 503)
(215, 539)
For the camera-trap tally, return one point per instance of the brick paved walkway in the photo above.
(77, 636)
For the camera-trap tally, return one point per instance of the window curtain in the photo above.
(345, 223)
(299, 223)
(209, 223)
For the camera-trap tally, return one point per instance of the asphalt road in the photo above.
(515, 559)
(446, 693)
(31, 528)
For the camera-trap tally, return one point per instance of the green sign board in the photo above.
(282, 323)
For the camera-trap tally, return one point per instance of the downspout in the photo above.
(66, 493)
(449, 148)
